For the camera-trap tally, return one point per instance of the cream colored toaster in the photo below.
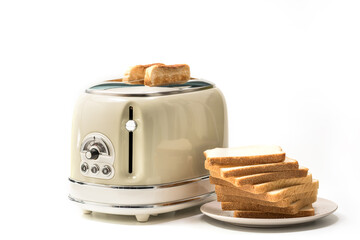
(138, 150)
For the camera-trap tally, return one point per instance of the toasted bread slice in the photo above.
(304, 212)
(246, 155)
(115, 80)
(264, 187)
(293, 208)
(282, 203)
(226, 171)
(272, 196)
(263, 177)
(166, 74)
(136, 74)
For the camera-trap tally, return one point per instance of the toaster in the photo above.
(138, 150)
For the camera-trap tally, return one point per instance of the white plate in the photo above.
(323, 208)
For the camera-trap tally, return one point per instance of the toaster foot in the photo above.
(142, 217)
(86, 211)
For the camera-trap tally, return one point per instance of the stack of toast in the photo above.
(261, 182)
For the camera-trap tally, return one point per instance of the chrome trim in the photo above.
(152, 94)
(106, 155)
(107, 168)
(86, 166)
(156, 205)
(166, 185)
(95, 168)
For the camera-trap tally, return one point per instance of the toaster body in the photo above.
(138, 150)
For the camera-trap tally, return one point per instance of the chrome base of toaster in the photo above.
(141, 201)
(143, 212)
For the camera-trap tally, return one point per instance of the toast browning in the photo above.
(261, 182)
(136, 74)
(304, 212)
(272, 196)
(263, 177)
(158, 75)
(293, 208)
(285, 202)
(264, 187)
(238, 171)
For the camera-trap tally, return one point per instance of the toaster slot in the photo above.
(131, 126)
(131, 136)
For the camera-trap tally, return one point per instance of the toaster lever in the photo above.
(131, 125)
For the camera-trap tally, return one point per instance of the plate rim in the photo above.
(265, 222)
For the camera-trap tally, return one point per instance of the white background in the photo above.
(289, 71)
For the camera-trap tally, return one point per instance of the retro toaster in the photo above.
(138, 150)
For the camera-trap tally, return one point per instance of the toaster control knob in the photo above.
(92, 154)
(106, 170)
(84, 167)
(95, 169)
(131, 125)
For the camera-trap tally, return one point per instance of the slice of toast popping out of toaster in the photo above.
(138, 150)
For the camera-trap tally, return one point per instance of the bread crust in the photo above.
(249, 160)
(136, 74)
(259, 181)
(304, 212)
(264, 187)
(115, 80)
(272, 196)
(263, 177)
(293, 208)
(282, 203)
(246, 155)
(238, 171)
(159, 75)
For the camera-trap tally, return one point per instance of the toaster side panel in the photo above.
(173, 132)
(168, 140)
